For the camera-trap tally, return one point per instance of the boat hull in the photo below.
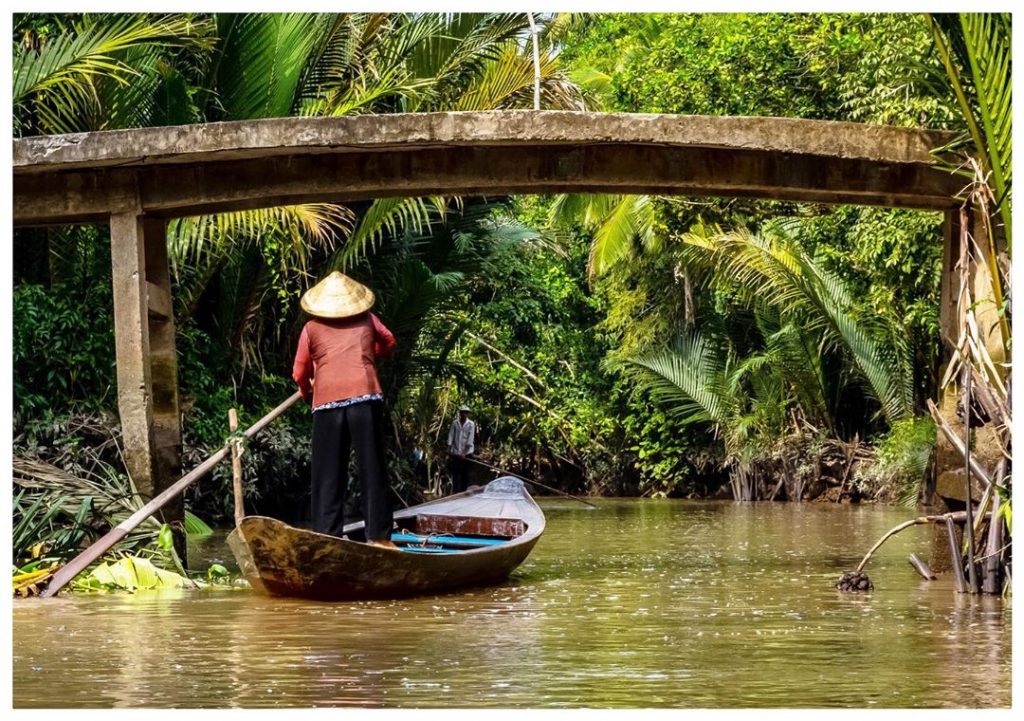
(280, 560)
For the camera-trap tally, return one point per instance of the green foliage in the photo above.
(772, 271)
(881, 68)
(130, 573)
(903, 456)
(43, 531)
(68, 493)
(714, 64)
(56, 81)
(975, 49)
(700, 380)
(261, 58)
(669, 456)
(196, 527)
(862, 296)
(63, 349)
(1006, 511)
(619, 223)
(217, 572)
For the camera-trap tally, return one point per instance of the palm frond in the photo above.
(507, 82)
(132, 105)
(631, 220)
(772, 269)
(976, 50)
(386, 217)
(460, 50)
(800, 357)
(365, 91)
(620, 223)
(312, 225)
(199, 247)
(691, 378)
(261, 59)
(58, 82)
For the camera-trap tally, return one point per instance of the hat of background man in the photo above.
(464, 409)
(337, 296)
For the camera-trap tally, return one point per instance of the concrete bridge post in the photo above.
(946, 489)
(147, 366)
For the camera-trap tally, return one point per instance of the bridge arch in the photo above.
(136, 179)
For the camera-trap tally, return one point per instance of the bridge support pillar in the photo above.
(147, 366)
(946, 489)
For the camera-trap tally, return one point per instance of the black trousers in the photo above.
(459, 468)
(335, 432)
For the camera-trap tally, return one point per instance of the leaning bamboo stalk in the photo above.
(922, 568)
(892, 532)
(80, 562)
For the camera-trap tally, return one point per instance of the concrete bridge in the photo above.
(136, 179)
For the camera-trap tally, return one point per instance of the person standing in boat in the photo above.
(461, 438)
(335, 368)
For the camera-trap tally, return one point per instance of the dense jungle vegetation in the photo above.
(625, 345)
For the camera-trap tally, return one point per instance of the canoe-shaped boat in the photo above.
(468, 539)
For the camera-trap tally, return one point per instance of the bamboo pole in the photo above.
(992, 566)
(80, 562)
(972, 570)
(536, 62)
(958, 562)
(236, 466)
(530, 480)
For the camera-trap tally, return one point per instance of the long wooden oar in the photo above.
(530, 480)
(80, 562)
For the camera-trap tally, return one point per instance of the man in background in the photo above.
(461, 436)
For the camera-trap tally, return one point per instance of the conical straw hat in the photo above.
(337, 296)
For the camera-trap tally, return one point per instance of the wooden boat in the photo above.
(468, 539)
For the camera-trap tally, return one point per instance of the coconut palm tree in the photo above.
(771, 271)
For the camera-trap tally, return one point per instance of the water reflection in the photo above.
(638, 604)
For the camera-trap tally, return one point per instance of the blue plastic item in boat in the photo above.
(458, 542)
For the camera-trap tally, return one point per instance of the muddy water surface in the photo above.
(636, 604)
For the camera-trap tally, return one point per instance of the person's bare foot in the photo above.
(384, 544)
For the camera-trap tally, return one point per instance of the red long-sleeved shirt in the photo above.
(336, 359)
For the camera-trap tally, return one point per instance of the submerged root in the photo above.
(854, 582)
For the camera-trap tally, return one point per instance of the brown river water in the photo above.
(641, 603)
